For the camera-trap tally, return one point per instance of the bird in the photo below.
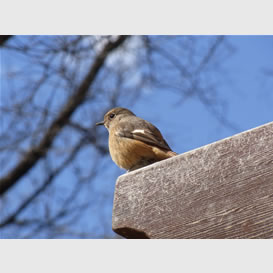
(134, 142)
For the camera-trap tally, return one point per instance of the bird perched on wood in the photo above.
(133, 141)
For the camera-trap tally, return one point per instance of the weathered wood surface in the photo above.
(221, 190)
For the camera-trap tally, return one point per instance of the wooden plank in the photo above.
(221, 190)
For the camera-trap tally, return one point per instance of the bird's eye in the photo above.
(112, 116)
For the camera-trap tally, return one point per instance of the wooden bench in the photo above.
(221, 190)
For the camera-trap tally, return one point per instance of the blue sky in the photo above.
(246, 91)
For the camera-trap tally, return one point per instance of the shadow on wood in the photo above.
(130, 233)
(221, 190)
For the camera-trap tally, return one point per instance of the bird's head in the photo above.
(114, 115)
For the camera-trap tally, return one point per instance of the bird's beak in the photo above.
(100, 123)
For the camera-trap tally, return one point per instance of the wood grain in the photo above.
(221, 190)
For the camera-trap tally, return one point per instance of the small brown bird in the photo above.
(133, 141)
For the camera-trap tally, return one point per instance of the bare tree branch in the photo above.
(4, 39)
(210, 53)
(33, 156)
(40, 189)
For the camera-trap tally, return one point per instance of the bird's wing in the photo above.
(142, 130)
